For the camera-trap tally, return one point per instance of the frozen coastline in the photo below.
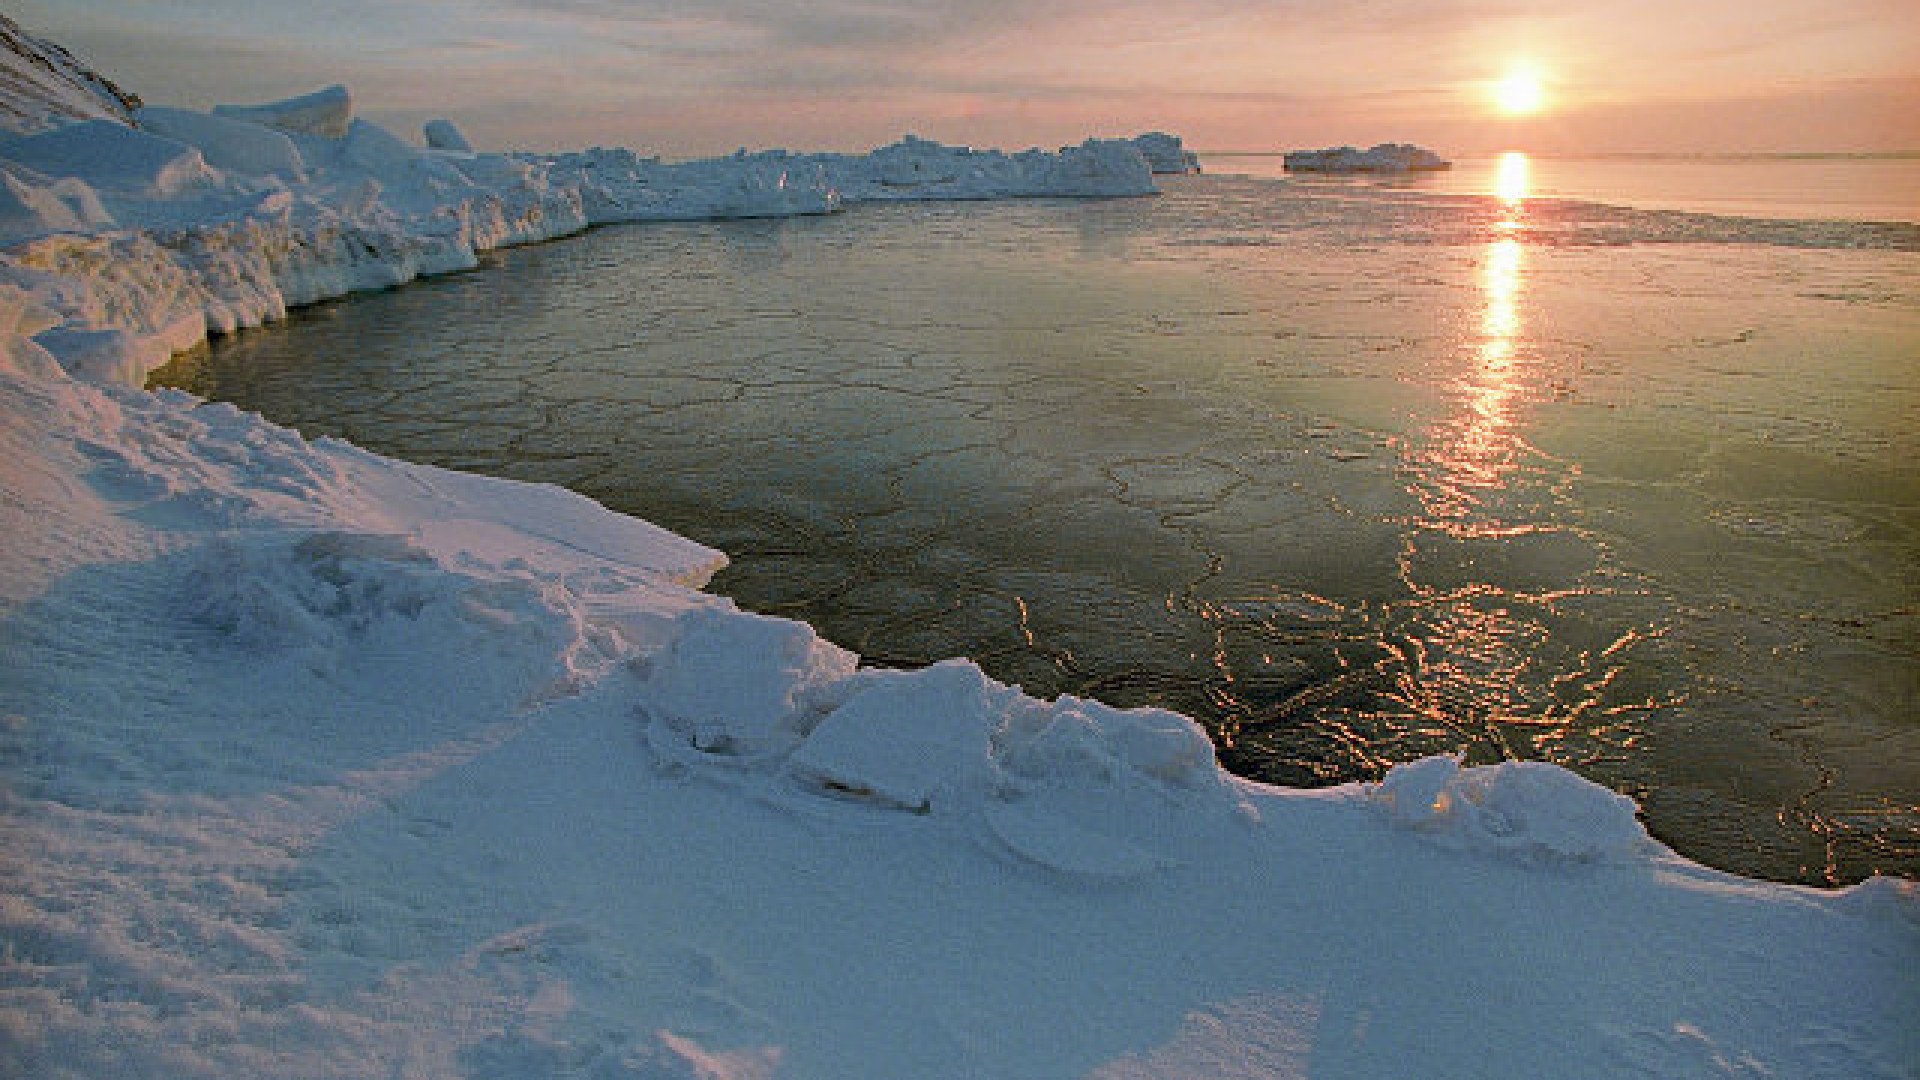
(324, 764)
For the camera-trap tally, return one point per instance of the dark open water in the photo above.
(1349, 473)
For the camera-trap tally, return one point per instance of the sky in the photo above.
(689, 77)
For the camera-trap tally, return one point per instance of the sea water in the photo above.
(1350, 472)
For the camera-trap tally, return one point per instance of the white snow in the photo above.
(1385, 157)
(233, 145)
(113, 157)
(321, 764)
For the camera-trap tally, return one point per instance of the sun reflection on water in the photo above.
(1466, 470)
(1500, 281)
(1513, 181)
(1472, 451)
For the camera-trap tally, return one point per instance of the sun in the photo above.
(1519, 92)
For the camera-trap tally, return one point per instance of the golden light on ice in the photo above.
(1519, 92)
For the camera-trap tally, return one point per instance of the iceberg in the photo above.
(321, 764)
(1166, 154)
(1383, 158)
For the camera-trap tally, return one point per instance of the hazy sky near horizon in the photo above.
(705, 76)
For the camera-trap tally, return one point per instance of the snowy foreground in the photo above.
(320, 764)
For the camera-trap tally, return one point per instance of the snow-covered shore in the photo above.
(146, 239)
(321, 764)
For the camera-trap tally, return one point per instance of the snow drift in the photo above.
(322, 764)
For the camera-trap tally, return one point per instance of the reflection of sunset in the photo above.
(1474, 450)
(1500, 280)
(1512, 181)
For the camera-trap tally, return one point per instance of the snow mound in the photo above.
(340, 600)
(1529, 809)
(443, 135)
(705, 703)
(319, 590)
(325, 113)
(901, 738)
(233, 145)
(1069, 786)
(1384, 157)
(110, 155)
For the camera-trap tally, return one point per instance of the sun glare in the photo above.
(1513, 179)
(1519, 93)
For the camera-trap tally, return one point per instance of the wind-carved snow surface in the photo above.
(320, 764)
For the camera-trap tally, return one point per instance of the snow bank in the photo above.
(1523, 808)
(321, 764)
(1385, 157)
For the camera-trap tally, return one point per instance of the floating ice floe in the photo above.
(1385, 157)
